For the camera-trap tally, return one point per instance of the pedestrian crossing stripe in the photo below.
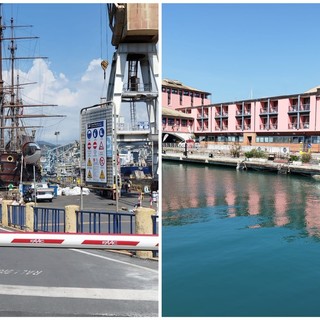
(89, 175)
(89, 164)
(102, 175)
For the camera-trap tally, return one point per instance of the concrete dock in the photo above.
(242, 163)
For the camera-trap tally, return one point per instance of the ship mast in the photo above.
(14, 106)
(1, 86)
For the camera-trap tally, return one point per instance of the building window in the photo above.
(170, 121)
(164, 121)
(184, 122)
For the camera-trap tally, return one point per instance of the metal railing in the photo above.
(17, 216)
(154, 224)
(54, 220)
(49, 220)
(107, 222)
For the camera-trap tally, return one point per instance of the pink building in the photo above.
(287, 120)
(179, 117)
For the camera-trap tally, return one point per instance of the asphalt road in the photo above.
(74, 282)
(94, 201)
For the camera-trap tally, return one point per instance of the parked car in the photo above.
(43, 192)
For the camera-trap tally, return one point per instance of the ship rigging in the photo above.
(19, 154)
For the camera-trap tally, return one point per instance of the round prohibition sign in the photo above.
(102, 161)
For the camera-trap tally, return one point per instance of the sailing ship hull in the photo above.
(10, 169)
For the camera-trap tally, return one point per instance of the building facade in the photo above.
(179, 111)
(291, 121)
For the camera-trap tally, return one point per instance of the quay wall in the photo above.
(241, 163)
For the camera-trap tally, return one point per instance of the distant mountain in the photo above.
(45, 146)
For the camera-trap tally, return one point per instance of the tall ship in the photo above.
(19, 153)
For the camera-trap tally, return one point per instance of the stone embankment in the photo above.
(272, 164)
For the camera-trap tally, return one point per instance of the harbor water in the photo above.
(239, 243)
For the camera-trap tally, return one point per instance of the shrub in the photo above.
(255, 153)
(294, 157)
(305, 157)
(235, 151)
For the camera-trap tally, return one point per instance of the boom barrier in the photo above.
(76, 240)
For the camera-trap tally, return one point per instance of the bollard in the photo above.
(5, 218)
(71, 219)
(29, 217)
(144, 226)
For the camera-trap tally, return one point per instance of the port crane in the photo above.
(134, 78)
(134, 75)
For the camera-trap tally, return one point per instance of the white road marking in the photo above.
(114, 260)
(80, 293)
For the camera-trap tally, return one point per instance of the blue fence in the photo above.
(109, 222)
(17, 216)
(53, 220)
(105, 222)
(49, 220)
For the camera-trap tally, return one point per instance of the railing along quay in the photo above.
(49, 220)
(16, 216)
(54, 220)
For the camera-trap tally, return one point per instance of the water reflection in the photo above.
(191, 193)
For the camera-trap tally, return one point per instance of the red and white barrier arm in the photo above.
(79, 240)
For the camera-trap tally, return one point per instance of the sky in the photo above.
(242, 51)
(74, 37)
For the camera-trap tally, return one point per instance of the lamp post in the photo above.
(57, 134)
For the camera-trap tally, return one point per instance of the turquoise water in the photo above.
(239, 243)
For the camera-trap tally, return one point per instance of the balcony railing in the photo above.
(263, 126)
(304, 125)
(274, 110)
(293, 108)
(293, 126)
(200, 116)
(305, 107)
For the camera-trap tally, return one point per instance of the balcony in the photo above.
(292, 126)
(305, 107)
(200, 116)
(264, 126)
(263, 111)
(304, 125)
(293, 108)
(274, 110)
(273, 126)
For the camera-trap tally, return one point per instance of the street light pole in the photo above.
(57, 134)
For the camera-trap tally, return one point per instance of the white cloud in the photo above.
(70, 97)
